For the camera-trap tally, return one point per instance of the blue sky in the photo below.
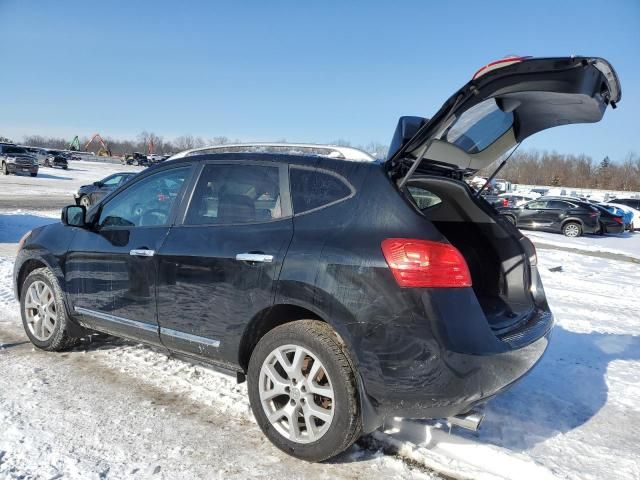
(305, 72)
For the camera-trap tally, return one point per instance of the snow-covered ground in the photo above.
(115, 409)
(625, 244)
(58, 182)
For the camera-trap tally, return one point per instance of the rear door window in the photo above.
(236, 194)
(312, 189)
(538, 205)
(560, 205)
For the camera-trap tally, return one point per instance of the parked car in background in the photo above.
(505, 200)
(136, 158)
(39, 153)
(502, 185)
(635, 221)
(610, 222)
(625, 213)
(555, 214)
(14, 159)
(630, 202)
(56, 159)
(89, 195)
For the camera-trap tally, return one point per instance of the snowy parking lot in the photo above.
(116, 409)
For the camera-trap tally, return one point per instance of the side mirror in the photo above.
(74, 216)
(97, 184)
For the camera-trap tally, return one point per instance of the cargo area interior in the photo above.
(497, 258)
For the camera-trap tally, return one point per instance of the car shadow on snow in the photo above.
(564, 391)
(53, 177)
(14, 226)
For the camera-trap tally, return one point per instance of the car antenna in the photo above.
(497, 170)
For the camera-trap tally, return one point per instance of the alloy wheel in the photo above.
(40, 310)
(296, 393)
(572, 230)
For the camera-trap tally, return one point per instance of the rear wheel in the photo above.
(572, 229)
(43, 313)
(303, 391)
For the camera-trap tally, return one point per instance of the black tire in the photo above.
(346, 425)
(603, 229)
(65, 167)
(34, 174)
(511, 219)
(572, 229)
(5, 170)
(59, 339)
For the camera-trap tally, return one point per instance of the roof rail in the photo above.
(331, 151)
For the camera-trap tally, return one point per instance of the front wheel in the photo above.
(5, 170)
(303, 391)
(43, 313)
(572, 229)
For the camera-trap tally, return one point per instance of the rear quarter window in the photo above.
(312, 189)
(424, 198)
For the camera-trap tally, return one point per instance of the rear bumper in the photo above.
(615, 228)
(440, 368)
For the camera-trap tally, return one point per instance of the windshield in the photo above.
(13, 150)
(479, 127)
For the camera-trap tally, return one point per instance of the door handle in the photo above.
(254, 257)
(142, 252)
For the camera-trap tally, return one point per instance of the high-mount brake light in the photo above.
(503, 62)
(426, 264)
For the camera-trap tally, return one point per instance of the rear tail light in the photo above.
(426, 264)
(618, 220)
(505, 202)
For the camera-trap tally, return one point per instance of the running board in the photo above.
(470, 420)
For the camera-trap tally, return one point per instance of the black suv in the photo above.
(346, 289)
(569, 216)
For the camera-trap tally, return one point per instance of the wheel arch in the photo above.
(26, 268)
(572, 220)
(265, 321)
